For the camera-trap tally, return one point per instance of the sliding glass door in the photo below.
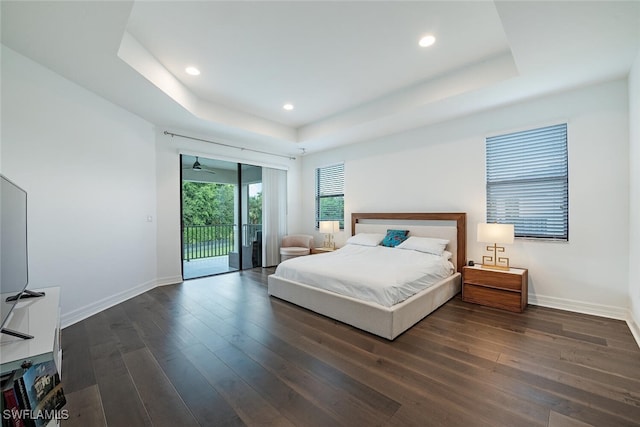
(251, 215)
(209, 206)
(221, 216)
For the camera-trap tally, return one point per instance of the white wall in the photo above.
(95, 174)
(168, 177)
(89, 170)
(634, 198)
(441, 168)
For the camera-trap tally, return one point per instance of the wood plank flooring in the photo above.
(219, 352)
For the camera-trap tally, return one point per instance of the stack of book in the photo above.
(32, 397)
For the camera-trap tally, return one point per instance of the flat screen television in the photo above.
(14, 265)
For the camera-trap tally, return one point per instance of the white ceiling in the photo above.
(354, 70)
(325, 58)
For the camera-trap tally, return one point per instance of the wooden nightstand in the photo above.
(321, 250)
(506, 289)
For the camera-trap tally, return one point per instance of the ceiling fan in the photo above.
(197, 166)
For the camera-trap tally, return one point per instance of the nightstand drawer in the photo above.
(496, 279)
(492, 297)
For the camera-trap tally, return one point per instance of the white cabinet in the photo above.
(39, 317)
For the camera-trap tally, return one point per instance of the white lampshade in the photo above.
(495, 233)
(329, 227)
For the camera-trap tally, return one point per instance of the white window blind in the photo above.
(330, 194)
(528, 182)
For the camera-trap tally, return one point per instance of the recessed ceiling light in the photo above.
(427, 41)
(288, 107)
(193, 71)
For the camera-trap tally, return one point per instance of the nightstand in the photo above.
(321, 250)
(506, 289)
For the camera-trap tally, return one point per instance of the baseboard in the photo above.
(580, 306)
(74, 316)
(164, 281)
(634, 325)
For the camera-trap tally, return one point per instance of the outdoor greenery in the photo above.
(331, 209)
(209, 218)
(207, 203)
(255, 209)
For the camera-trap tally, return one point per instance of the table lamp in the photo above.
(328, 228)
(495, 233)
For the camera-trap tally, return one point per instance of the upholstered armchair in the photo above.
(295, 245)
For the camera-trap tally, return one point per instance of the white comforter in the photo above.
(378, 274)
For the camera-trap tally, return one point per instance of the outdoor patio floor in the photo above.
(206, 267)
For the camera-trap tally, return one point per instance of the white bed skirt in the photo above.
(387, 322)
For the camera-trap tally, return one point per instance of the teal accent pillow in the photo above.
(394, 238)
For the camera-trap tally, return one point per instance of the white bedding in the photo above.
(377, 274)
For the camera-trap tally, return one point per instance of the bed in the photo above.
(383, 318)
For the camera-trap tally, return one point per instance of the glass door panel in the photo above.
(251, 215)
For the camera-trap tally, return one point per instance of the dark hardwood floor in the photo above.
(219, 351)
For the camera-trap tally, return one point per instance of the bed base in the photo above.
(386, 322)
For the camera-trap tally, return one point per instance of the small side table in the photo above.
(321, 250)
(505, 289)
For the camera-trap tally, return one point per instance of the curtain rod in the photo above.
(228, 145)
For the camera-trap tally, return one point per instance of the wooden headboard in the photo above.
(433, 219)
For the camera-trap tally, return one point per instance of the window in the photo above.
(528, 182)
(330, 194)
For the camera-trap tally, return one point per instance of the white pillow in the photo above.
(366, 239)
(424, 244)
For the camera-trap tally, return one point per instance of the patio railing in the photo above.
(206, 241)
